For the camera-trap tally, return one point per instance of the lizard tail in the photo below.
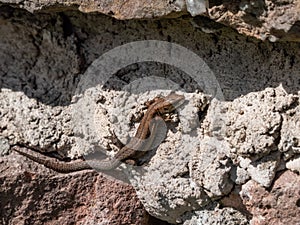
(54, 164)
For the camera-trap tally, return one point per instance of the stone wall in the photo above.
(233, 159)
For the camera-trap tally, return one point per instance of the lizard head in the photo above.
(170, 103)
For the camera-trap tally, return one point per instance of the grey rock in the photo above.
(4, 146)
(290, 136)
(263, 171)
(42, 61)
(265, 20)
(165, 186)
(239, 143)
(254, 122)
(239, 175)
(31, 123)
(196, 7)
(215, 216)
(210, 168)
(294, 164)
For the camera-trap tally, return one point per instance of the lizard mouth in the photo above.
(178, 103)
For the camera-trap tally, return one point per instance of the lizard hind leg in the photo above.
(115, 140)
(131, 162)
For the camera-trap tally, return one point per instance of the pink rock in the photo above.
(33, 194)
(279, 205)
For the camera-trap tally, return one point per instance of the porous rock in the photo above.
(265, 20)
(206, 165)
(25, 121)
(33, 194)
(44, 55)
(215, 216)
(278, 205)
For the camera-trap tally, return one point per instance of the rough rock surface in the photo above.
(290, 137)
(204, 167)
(233, 143)
(278, 205)
(33, 194)
(271, 20)
(118, 9)
(215, 216)
(31, 123)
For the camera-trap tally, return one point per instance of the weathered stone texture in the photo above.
(31, 194)
(241, 142)
(265, 20)
(278, 205)
(31, 123)
(204, 166)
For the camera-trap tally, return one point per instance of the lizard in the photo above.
(142, 141)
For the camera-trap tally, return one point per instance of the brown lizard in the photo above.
(143, 140)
